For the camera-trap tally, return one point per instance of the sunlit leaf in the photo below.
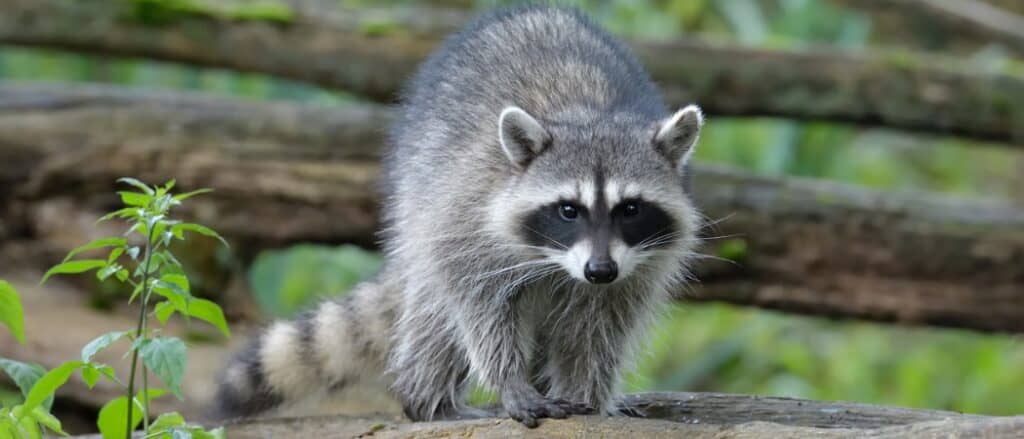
(114, 254)
(178, 230)
(134, 199)
(45, 387)
(99, 243)
(11, 313)
(164, 310)
(47, 420)
(187, 195)
(138, 184)
(209, 312)
(90, 376)
(127, 212)
(166, 421)
(73, 267)
(107, 271)
(112, 417)
(171, 287)
(27, 426)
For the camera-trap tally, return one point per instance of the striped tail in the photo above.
(337, 343)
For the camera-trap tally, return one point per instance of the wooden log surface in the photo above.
(672, 415)
(373, 52)
(286, 173)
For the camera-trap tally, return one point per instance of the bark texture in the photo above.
(373, 52)
(672, 415)
(287, 173)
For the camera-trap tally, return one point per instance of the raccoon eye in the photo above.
(568, 212)
(630, 209)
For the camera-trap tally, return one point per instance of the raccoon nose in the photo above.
(600, 271)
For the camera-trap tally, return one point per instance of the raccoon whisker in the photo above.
(708, 223)
(513, 286)
(712, 238)
(540, 262)
(696, 255)
(553, 241)
(664, 239)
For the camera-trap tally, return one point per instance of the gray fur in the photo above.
(470, 299)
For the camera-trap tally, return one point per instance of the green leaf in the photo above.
(90, 376)
(99, 243)
(127, 212)
(216, 433)
(179, 281)
(166, 421)
(47, 420)
(72, 267)
(108, 271)
(209, 312)
(11, 313)
(173, 291)
(170, 260)
(115, 253)
(27, 425)
(100, 343)
(138, 184)
(135, 199)
(178, 230)
(24, 375)
(187, 195)
(163, 311)
(135, 293)
(113, 414)
(166, 357)
(44, 389)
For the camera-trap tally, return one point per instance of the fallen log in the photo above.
(971, 17)
(287, 173)
(680, 415)
(669, 414)
(373, 52)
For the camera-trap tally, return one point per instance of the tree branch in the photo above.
(373, 52)
(288, 173)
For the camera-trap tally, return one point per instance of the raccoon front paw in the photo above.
(529, 409)
(627, 411)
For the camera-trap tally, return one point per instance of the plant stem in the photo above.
(147, 289)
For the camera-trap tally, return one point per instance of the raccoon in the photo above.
(535, 219)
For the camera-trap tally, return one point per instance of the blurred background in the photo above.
(697, 345)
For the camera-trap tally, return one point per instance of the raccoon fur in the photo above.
(536, 218)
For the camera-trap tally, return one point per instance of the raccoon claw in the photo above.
(631, 412)
(528, 413)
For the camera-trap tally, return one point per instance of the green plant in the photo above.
(22, 420)
(142, 260)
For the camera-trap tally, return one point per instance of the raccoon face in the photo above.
(598, 206)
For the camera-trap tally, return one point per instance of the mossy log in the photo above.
(982, 19)
(286, 173)
(372, 52)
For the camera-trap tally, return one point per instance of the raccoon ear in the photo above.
(522, 137)
(677, 135)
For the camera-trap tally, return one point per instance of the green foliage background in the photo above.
(710, 347)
